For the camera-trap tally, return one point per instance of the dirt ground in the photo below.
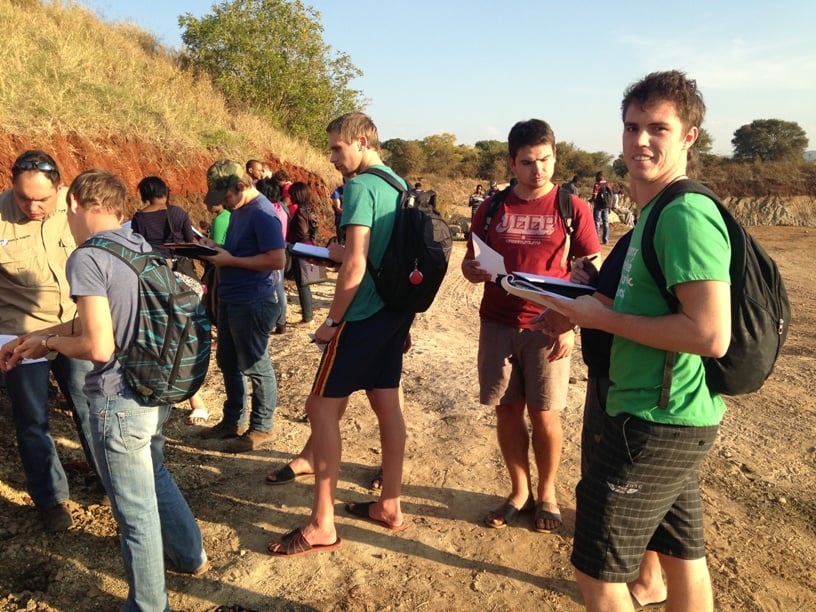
(759, 490)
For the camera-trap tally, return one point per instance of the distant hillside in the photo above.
(100, 95)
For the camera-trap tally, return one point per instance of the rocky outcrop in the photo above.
(133, 159)
(774, 210)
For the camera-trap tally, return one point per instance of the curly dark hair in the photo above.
(671, 86)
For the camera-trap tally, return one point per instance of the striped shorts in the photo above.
(364, 355)
(641, 492)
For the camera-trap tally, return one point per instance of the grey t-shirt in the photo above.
(95, 272)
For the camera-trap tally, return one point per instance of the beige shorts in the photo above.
(513, 366)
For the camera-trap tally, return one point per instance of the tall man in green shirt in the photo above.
(641, 493)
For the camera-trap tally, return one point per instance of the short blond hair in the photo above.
(353, 125)
(99, 188)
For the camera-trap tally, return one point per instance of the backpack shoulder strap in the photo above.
(666, 196)
(649, 254)
(495, 205)
(566, 212)
(387, 177)
(128, 256)
(565, 208)
(401, 189)
(170, 220)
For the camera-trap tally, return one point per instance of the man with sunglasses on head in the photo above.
(35, 242)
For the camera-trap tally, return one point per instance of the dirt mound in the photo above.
(132, 159)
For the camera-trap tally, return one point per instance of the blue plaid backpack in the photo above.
(170, 355)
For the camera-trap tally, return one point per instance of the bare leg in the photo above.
(689, 584)
(303, 462)
(547, 442)
(387, 405)
(602, 596)
(376, 482)
(324, 417)
(514, 443)
(649, 586)
(198, 410)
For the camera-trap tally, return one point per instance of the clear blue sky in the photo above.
(473, 68)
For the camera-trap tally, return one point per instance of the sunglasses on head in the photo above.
(42, 166)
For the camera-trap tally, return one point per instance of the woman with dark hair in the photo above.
(160, 222)
(303, 228)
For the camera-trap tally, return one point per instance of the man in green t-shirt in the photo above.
(640, 498)
(218, 229)
(364, 342)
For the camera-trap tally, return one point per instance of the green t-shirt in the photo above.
(218, 231)
(691, 243)
(369, 201)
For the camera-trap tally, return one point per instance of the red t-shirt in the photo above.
(531, 236)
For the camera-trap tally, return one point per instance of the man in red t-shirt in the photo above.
(520, 367)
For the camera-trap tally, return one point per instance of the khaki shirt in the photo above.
(34, 291)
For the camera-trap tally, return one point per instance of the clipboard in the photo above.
(190, 249)
(311, 251)
(541, 289)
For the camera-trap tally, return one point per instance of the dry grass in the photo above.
(65, 70)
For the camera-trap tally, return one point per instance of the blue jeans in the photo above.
(243, 341)
(602, 218)
(28, 391)
(153, 516)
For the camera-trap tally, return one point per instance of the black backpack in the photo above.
(169, 357)
(604, 197)
(416, 258)
(564, 209)
(760, 310)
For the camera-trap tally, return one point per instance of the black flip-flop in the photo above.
(508, 512)
(547, 515)
(284, 475)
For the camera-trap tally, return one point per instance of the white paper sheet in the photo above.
(489, 260)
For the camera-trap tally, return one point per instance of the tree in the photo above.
(406, 157)
(619, 167)
(268, 57)
(770, 140)
(704, 142)
(492, 160)
(441, 154)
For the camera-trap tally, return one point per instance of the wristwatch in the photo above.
(331, 322)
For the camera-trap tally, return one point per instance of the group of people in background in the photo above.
(638, 507)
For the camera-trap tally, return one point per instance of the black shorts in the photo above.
(364, 355)
(641, 492)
